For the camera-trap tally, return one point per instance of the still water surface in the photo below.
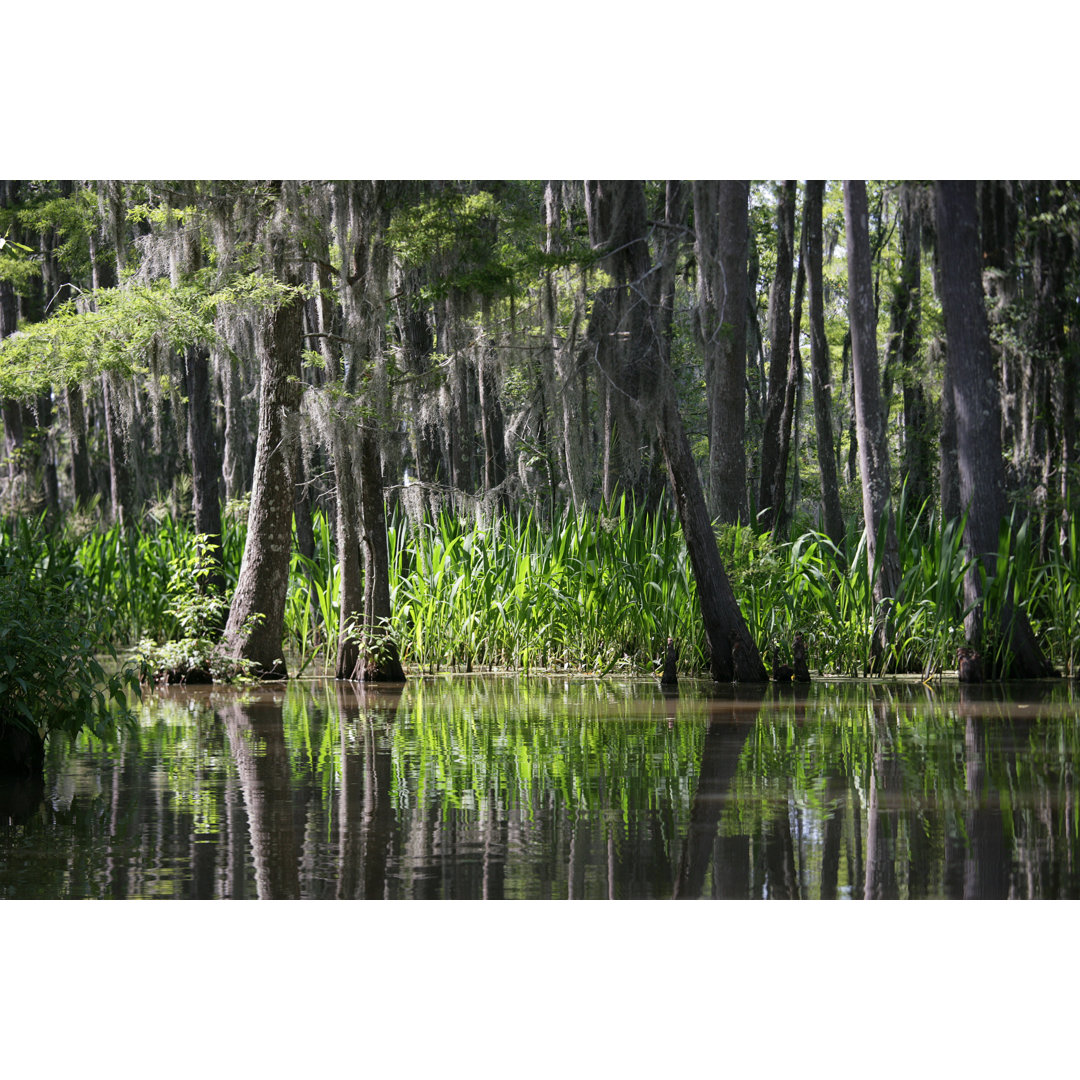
(479, 787)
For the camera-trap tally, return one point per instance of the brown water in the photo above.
(471, 788)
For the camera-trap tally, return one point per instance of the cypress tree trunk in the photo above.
(120, 484)
(619, 326)
(820, 364)
(948, 469)
(205, 459)
(351, 588)
(417, 345)
(80, 455)
(721, 211)
(491, 426)
(978, 423)
(361, 214)
(378, 660)
(779, 350)
(564, 359)
(788, 413)
(869, 419)
(735, 656)
(918, 437)
(256, 626)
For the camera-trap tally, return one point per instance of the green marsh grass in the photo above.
(597, 592)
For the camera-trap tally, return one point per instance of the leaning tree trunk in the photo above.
(735, 655)
(873, 448)
(779, 343)
(820, 364)
(256, 626)
(978, 425)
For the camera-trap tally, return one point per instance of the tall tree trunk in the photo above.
(256, 626)
(417, 346)
(361, 213)
(721, 216)
(563, 356)
(735, 656)
(620, 326)
(978, 424)
(121, 495)
(80, 453)
(948, 468)
(788, 414)
(918, 437)
(873, 448)
(379, 660)
(205, 459)
(779, 349)
(820, 364)
(350, 573)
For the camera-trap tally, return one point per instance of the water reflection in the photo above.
(502, 788)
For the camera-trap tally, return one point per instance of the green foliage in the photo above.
(52, 649)
(200, 611)
(122, 329)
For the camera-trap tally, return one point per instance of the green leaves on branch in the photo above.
(122, 329)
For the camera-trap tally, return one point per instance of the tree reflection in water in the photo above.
(492, 788)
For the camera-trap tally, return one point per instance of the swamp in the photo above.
(539, 539)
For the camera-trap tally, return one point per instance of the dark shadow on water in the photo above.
(20, 798)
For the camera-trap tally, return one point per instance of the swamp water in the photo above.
(481, 787)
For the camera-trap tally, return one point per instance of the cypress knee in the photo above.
(969, 665)
(670, 676)
(798, 659)
(780, 672)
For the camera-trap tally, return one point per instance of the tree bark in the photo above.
(256, 626)
(620, 326)
(978, 425)
(873, 448)
(779, 350)
(918, 437)
(820, 364)
(788, 414)
(205, 458)
(735, 656)
(378, 660)
(80, 454)
(721, 210)
(361, 211)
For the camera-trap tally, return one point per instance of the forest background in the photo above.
(378, 426)
(946, 127)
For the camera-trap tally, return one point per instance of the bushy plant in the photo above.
(200, 611)
(52, 680)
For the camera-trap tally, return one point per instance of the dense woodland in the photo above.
(407, 426)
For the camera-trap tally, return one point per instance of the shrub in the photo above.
(51, 680)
